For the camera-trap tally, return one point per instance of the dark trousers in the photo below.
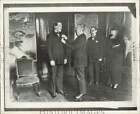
(80, 74)
(114, 71)
(94, 71)
(57, 78)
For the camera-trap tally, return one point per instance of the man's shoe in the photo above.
(115, 86)
(61, 92)
(79, 97)
(38, 93)
(54, 95)
(111, 85)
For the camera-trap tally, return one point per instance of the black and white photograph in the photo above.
(71, 55)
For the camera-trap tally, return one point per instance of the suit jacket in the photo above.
(94, 49)
(79, 55)
(56, 49)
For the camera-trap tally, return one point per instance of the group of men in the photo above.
(82, 55)
(85, 53)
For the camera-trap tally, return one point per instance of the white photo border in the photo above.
(4, 48)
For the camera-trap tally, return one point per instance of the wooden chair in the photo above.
(26, 75)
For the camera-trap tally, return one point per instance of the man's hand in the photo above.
(52, 63)
(65, 61)
(64, 36)
(100, 59)
(116, 46)
(63, 41)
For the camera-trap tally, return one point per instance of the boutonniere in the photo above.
(96, 41)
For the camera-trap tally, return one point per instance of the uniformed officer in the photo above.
(94, 53)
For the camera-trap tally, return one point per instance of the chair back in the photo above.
(24, 67)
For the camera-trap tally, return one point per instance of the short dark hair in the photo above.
(56, 23)
(82, 26)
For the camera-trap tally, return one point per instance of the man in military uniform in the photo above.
(94, 53)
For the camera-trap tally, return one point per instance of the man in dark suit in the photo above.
(79, 58)
(57, 58)
(94, 53)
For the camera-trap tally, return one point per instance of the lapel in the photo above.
(57, 37)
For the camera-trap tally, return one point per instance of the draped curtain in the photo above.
(42, 31)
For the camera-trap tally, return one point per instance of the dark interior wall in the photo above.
(88, 19)
(69, 21)
(45, 26)
(116, 18)
(104, 21)
(128, 23)
(120, 19)
(57, 17)
(65, 18)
